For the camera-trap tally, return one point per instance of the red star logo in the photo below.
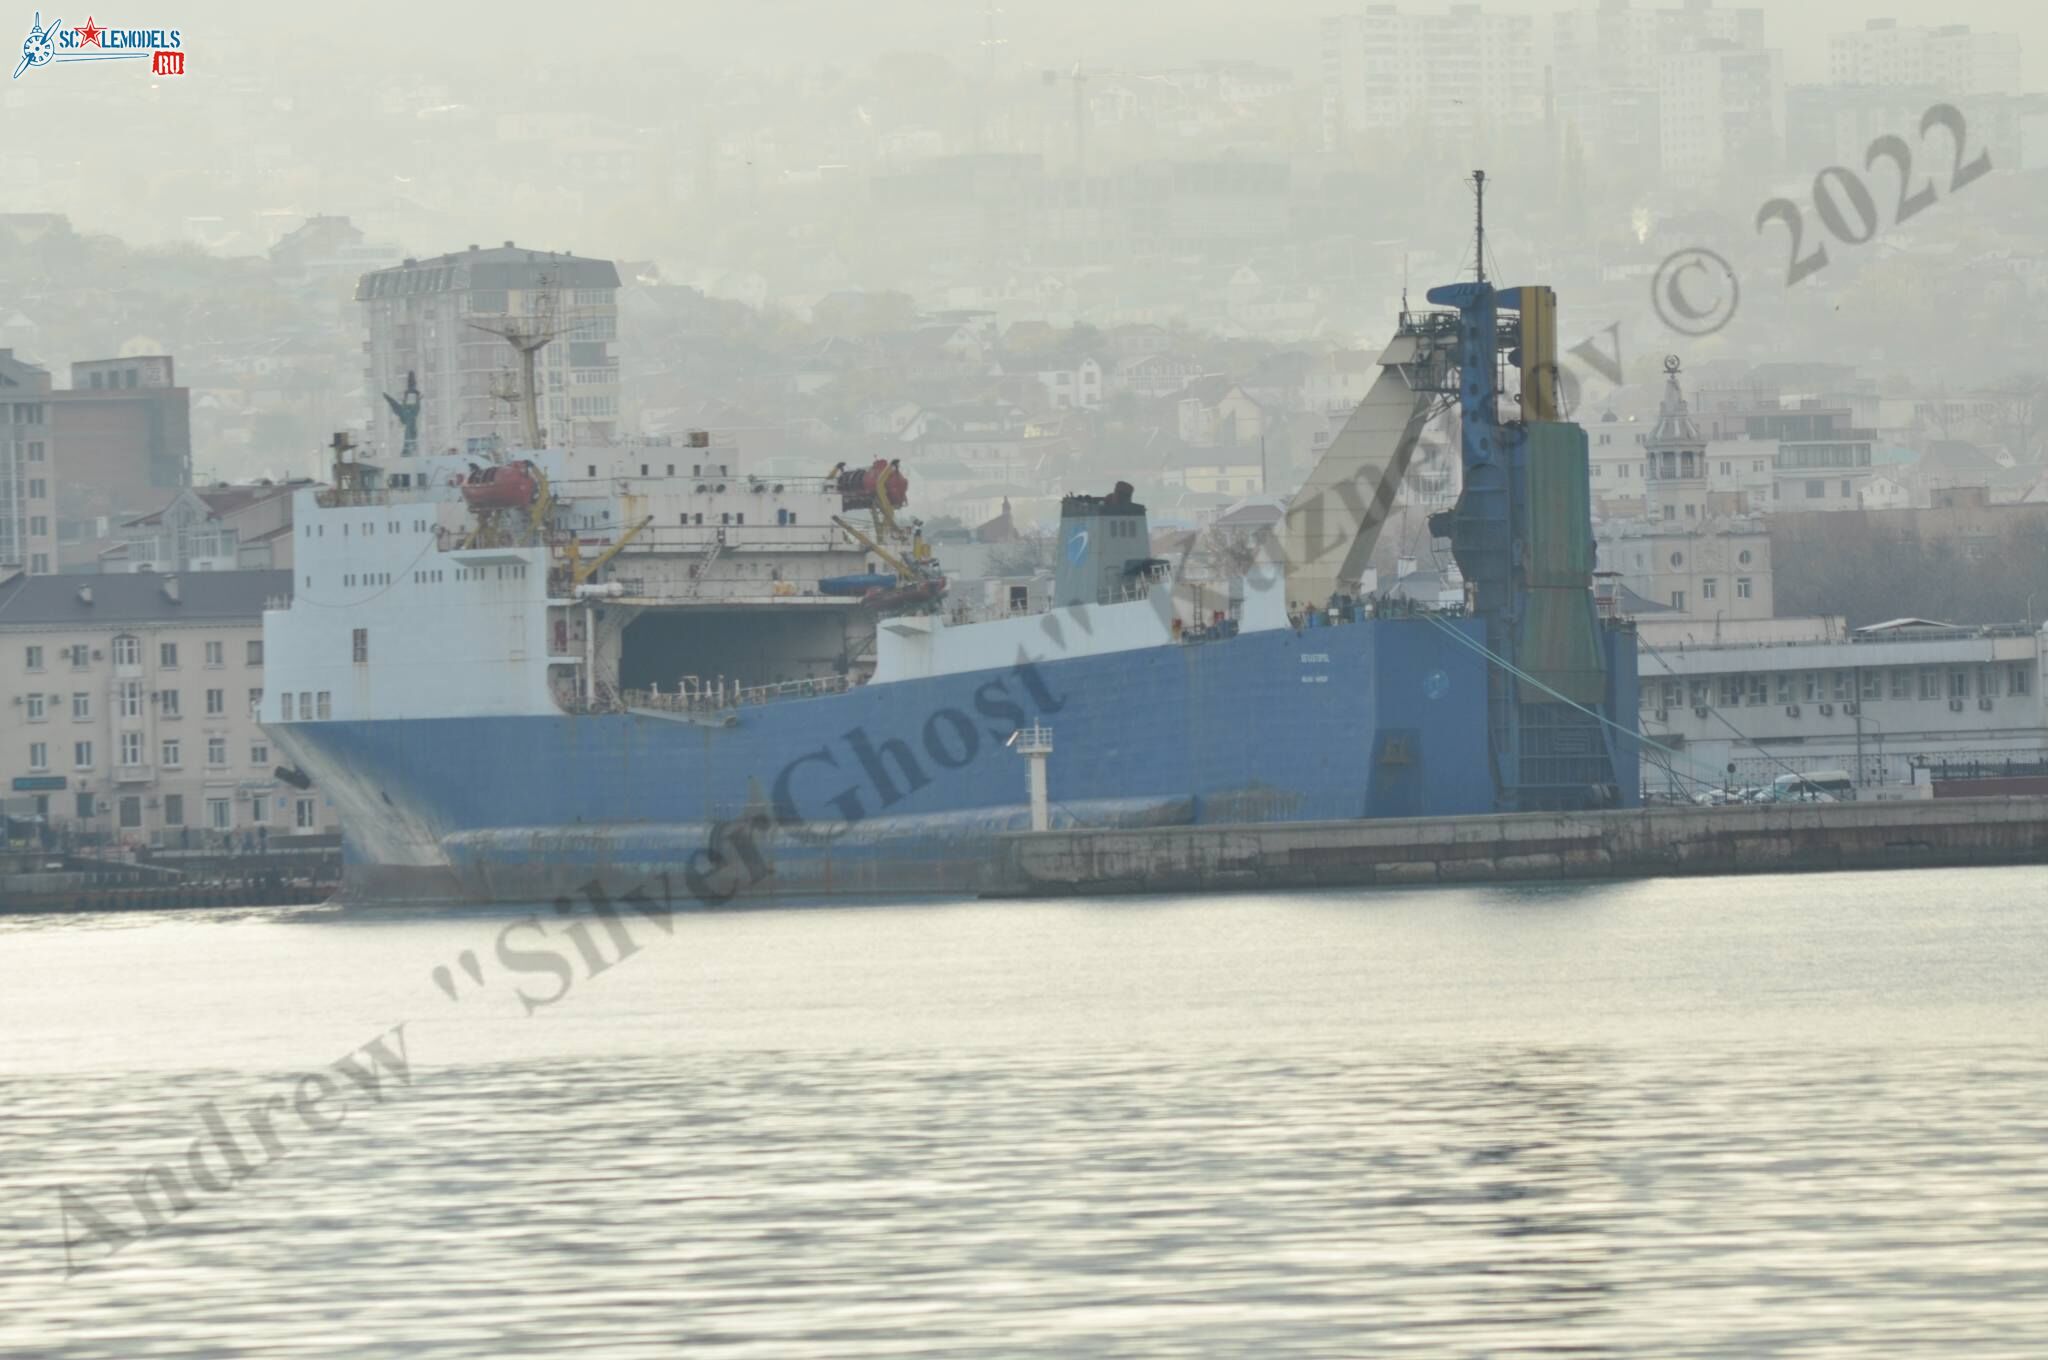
(89, 36)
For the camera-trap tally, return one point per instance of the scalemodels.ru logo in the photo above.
(55, 44)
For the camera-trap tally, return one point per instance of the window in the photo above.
(1871, 685)
(81, 707)
(170, 703)
(1785, 689)
(255, 657)
(127, 651)
(2020, 679)
(284, 706)
(1671, 512)
(1742, 588)
(35, 658)
(86, 807)
(1844, 686)
(1901, 683)
(304, 816)
(1699, 692)
(1958, 684)
(216, 752)
(1731, 691)
(256, 704)
(81, 755)
(129, 694)
(216, 654)
(1845, 488)
(326, 705)
(1677, 596)
(37, 489)
(1709, 588)
(80, 655)
(361, 645)
(219, 813)
(305, 705)
(39, 755)
(34, 703)
(1674, 694)
(131, 748)
(216, 702)
(1759, 689)
(172, 752)
(1930, 684)
(1810, 686)
(167, 656)
(174, 809)
(259, 810)
(259, 753)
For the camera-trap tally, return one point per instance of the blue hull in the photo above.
(903, 787)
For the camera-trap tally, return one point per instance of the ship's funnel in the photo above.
(1105, 543)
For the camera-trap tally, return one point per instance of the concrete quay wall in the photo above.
(1762, 838)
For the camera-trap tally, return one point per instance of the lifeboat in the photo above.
(857, 487)
(508, 486)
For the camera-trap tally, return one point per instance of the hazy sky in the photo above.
(527, 38)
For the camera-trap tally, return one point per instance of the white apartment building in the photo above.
(1719, 106)
(1952, 59)
(128, 706)
(431, 319)
(1794, 695)
(1607, 63)
(28, 506)
(1448, 72)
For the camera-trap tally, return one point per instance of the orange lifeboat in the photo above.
(857, 488)
(508, 486)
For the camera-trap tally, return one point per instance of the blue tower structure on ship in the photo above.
(1561, 703)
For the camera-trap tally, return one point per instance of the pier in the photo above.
(81, 882)
(1647, 843)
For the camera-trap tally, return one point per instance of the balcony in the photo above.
(134, 774)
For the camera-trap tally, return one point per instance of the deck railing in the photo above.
(695, 695)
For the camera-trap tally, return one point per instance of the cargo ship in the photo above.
(561, 672)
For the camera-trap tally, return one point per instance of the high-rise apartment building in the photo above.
(435, 320)
(1953, 58)
(1610, 74)
(28, 506)
(1443, 74)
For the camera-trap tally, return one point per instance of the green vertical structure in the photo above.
(1558, 642)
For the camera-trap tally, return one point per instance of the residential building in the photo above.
(1610, 82)
(1951, 58)
(128, 705)
(28, 507)
(1793, 696)
(220, 528)
(1442, 74)
(440, 321)
(125, 428)
(1715, 571)
(1719, 105)
(1822, 461)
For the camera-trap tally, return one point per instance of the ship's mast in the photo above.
(1479, 230)
(529, 335)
